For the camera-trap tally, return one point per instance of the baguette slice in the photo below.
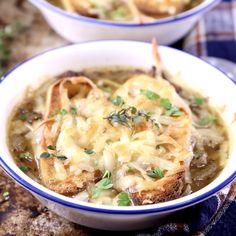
(174, 133)
(53, 172)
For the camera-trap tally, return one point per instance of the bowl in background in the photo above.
(201, 76)
(76, 28)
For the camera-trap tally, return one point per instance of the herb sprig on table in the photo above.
(7, 34)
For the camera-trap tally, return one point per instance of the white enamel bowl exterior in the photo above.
(78, 28)
(204, 78)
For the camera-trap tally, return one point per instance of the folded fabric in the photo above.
(215, 34)
(202, 219)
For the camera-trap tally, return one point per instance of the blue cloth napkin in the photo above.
(215, 34)
(213, 217)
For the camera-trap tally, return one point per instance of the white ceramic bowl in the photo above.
(200, 75)
(77, 28)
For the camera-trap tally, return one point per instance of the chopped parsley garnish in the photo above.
(123, 199)
(61, 112)
(170, 109)
(197, 100)
(26, 156)
(51, 147)
(24, 168)
(118, 101)
(89, 151)
(107, 174)
(103, 184)
(149, 94)
(45, 155)
(24, 117)
(73, 111)
(155, 173)
(165, 103)
(6, 195)
(206, 120)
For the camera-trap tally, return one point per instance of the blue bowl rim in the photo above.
(186, 14)
(95, 209)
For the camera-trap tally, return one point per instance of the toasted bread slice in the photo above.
(172, 189)
(173, 135)
(53, 172)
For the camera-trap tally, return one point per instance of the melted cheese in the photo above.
(116, 147)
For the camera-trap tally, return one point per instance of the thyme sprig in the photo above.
(130, 116)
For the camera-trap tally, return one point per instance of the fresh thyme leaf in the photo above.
(26, 155)
(199, 101)
(177, 113)
(118, 101)
(174, 111)
(89, 151)
(103, 184)
(123, 199)
(107, 174)
(206, 120)
(61, 157)
(155, 173)
(149, 94)
(24, 117)
(170, 109)
(52, 147)
(24, 168)
(165, 103)
(95, 192)
(61, 111)
(45, 155)
(73, 111)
